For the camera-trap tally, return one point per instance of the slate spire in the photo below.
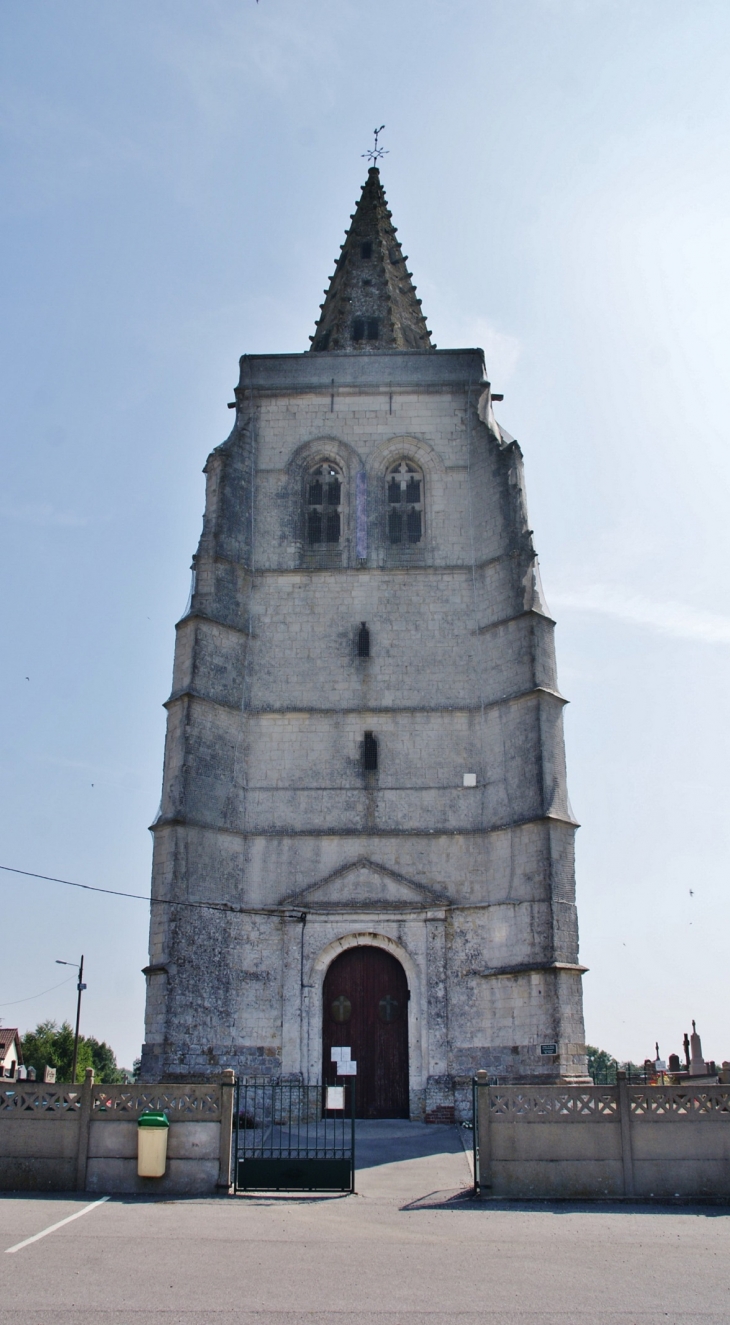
(371, 303)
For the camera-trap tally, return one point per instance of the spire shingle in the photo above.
(371, 303)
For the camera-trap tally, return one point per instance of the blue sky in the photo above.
(177, 179)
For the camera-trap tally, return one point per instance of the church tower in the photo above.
(365, 838)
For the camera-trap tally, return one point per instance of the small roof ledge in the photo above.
(378, 371)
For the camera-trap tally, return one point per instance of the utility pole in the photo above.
(80, 987)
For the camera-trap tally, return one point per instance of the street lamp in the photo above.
(81, 987)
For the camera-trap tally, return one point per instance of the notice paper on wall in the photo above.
(345, 1065)
(335, 1097)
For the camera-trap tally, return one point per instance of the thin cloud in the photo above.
(43, 513)
(261, 47)
(679, 620)
(501, 349)
(101, 771)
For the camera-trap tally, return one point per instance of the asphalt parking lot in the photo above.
(410, 1247)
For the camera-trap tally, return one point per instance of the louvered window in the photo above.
(365, 328)
(324, 505)
(405, 504)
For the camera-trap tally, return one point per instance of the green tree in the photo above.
(104, 1063)
(601, 1066)
(51, 1045)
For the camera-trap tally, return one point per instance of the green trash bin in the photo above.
(152, 1129)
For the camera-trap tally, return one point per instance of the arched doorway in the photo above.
(365, 1006)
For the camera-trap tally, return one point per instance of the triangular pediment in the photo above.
(364, 885)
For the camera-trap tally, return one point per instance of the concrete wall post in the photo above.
(228, 1084)
(627, 1155)
(482, 1129)
(82, 1153)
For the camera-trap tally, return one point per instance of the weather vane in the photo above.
(376, 152)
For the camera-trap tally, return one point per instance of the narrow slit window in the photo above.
(363, 641)
(358, 329)
(404, 491)
(373, 328)
(370, 753)
(366, 249)
(324, 506)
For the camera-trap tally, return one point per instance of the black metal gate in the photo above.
(286, 1137)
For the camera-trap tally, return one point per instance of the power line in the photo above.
(143, 897)
(213, 906)
(88, 887)
(30, 997)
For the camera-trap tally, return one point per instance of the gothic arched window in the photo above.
(324, 505)
(404, 493)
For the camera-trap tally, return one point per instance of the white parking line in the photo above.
(52, 1227)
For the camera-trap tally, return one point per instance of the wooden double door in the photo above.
(365, 1008)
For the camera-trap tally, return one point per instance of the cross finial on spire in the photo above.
(376, 152)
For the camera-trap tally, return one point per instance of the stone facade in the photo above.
(269, 814)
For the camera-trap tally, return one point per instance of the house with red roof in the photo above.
(11, 1053)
